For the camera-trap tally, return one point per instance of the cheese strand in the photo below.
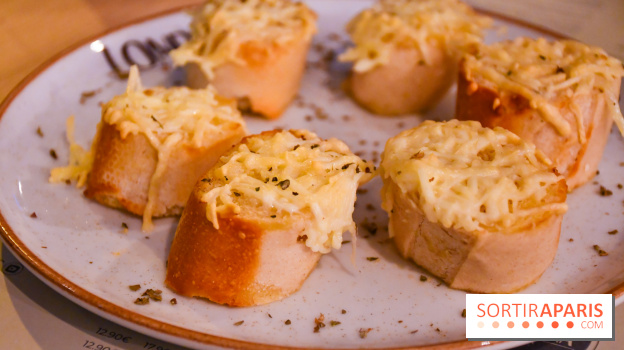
(291, 173)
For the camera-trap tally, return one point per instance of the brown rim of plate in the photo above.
(140, 322)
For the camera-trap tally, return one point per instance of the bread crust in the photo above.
(123, 167)
(480, 100)
(256, 255)
(405, 84)
(481, 262)
(265, 84)
(247, 261)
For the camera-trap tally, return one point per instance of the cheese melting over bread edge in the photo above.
(221, 27)
(168, 117)
(287, 174)
(464, 176)
(448, 24)
(540, 71)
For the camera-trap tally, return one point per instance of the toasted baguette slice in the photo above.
(478, 208)
(480, 262)
(265, 83)
(123, 169)
(257, 223)
(254, 51)
(569, 117)
(250, 260)
(405, 84)
(406, 52)
(153, 145)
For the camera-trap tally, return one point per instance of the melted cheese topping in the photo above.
(541, 71)
(169, 118)
(419, 24)
(289, 173)
(462, 175)
(220, 28)
(80, 160)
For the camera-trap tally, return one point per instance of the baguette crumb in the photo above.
(153, 294)
(319, 323)
(142, 301)
(364, 332)
(87, 94)
(605, 192)
(600, 251)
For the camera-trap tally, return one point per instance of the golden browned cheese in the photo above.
(561, 96)
(406, 52)
(258, 221)
(477, 207)
(254, 51)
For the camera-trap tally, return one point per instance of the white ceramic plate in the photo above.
(76, 245)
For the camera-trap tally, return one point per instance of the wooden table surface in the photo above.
(33, 31)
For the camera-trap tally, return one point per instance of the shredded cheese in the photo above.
(167, 117)
(464, 176)
(540, 71)
(290, 173)
(80, 160)
(449, 24)
(221, 27)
